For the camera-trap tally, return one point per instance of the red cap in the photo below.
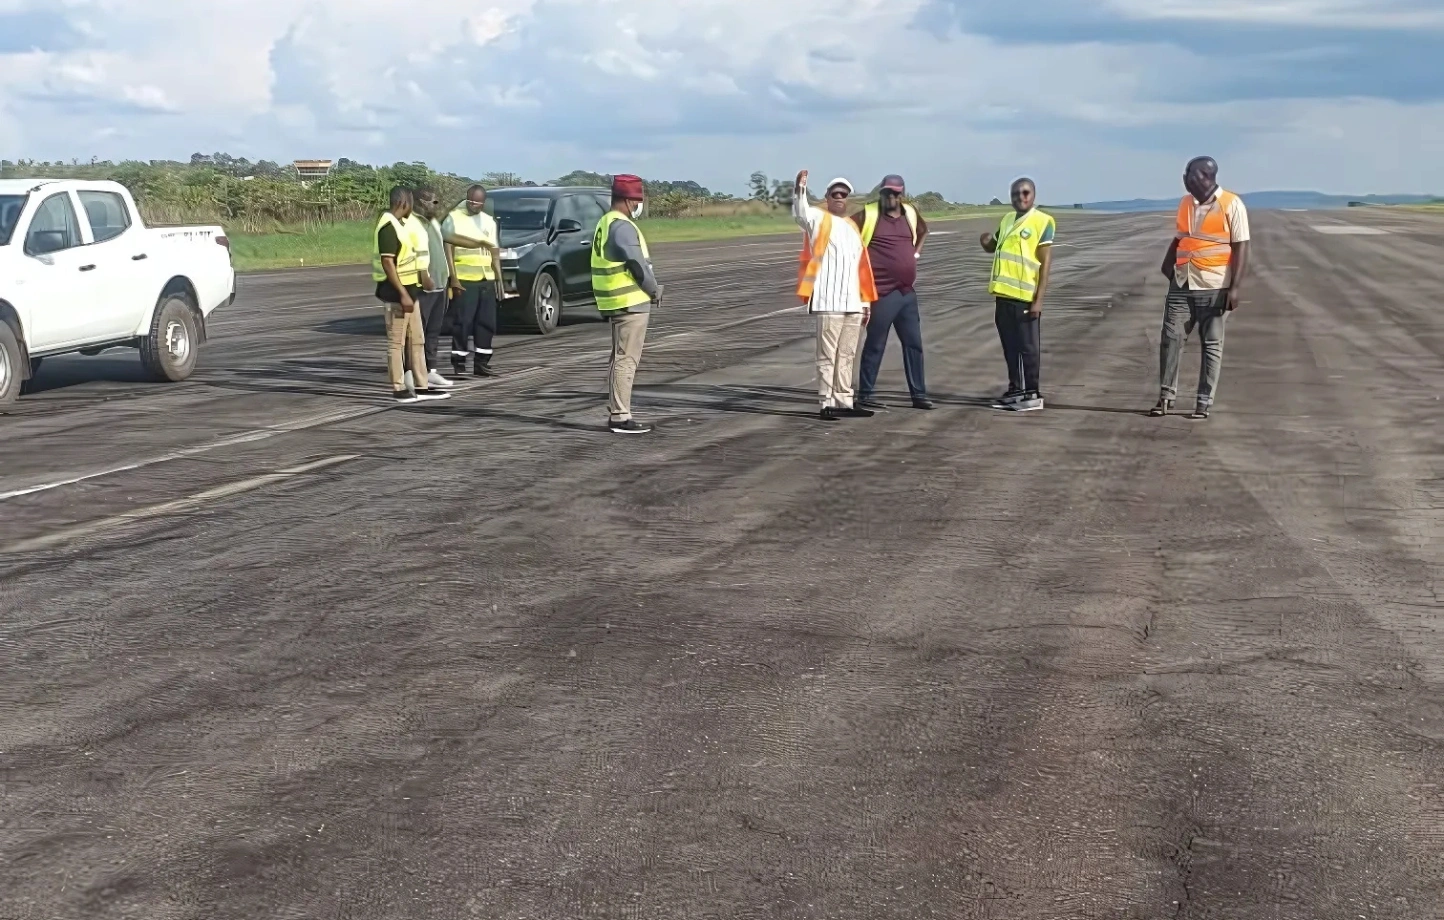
(629, 187)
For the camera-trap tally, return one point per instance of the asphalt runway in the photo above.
(273, 648)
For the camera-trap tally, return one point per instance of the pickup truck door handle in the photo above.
(139, 257)
(87, 268)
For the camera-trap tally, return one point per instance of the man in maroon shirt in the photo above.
(893, 233)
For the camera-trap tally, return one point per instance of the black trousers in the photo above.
(432, 305)
(1022, 343)
(895, 311)
(475, 320)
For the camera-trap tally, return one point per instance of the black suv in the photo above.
(546, 251)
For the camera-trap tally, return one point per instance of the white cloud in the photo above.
(703, 89)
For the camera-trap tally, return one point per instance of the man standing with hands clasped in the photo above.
(1022, 251)
(836, 283)
(1205, 265)
(893, 234)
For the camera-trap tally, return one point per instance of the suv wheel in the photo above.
(169, 352)
(546, 303)
(10, 375)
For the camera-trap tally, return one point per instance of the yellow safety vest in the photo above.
(1015, 261)
(406, 268)
(613, 285)
(420, 242)
(473, 264)
(869, 221)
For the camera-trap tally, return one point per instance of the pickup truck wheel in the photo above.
(546, 303)
(169, 352)
(9, 365)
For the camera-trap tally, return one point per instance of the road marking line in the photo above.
(67, 534)
(1349, 229)
(346, 415)
(330, 417)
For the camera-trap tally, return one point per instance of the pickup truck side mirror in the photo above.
(567, 225)
(44, 242)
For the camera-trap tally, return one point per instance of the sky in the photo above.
(1094, 99)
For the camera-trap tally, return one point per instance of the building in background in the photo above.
(312, 170)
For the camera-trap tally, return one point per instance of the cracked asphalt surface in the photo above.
(274, 649)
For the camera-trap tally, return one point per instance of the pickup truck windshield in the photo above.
(10, 208)
(520, 213)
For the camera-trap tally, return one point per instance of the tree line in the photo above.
(263, 196)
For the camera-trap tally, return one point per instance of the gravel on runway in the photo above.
(275, 649)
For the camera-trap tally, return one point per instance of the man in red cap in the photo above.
(893, 233)
(626, 291)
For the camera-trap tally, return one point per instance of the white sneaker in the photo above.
(435, 379)
(408, 381)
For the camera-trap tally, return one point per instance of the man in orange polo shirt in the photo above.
(1205, 266)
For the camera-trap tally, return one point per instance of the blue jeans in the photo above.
(900, 311)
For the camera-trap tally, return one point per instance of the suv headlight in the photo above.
(514, 253)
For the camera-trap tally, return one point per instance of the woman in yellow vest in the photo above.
(1021, 250)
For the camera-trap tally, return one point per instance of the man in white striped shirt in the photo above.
(836, 283)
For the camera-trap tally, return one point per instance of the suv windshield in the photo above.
(10, 208)
(516, 213)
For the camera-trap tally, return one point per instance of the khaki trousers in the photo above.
(629, 333)
(405, 333)
(837, 336)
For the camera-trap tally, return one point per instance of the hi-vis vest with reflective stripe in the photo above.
(1202, 232)
(473, 264)
(613, 285)
(1015, 261)
(406, 268)
(420, 242)
(869, 221)
(810, 260)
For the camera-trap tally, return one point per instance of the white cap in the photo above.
(839, 181)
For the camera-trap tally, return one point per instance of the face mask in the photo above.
(637, 210)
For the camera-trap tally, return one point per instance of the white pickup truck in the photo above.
(80, 272)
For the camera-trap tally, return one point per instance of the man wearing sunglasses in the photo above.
(893, 233)
(835, 281)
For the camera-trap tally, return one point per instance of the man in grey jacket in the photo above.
(626, 290)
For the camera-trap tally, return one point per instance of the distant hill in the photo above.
(1264, 201)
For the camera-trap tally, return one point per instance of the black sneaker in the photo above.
(630, 426)
(829, 414)
(403, 396)
(486, 370)
(922, 402)
(1200, 412)
(858, 412)
(1008, 401)
(429, 394)
(867, 402)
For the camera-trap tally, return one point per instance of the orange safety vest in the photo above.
(1202, 232)
(810, 259)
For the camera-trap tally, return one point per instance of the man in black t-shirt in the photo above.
(394, 269)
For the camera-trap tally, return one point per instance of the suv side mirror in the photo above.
(567, 225)
(44, 242)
